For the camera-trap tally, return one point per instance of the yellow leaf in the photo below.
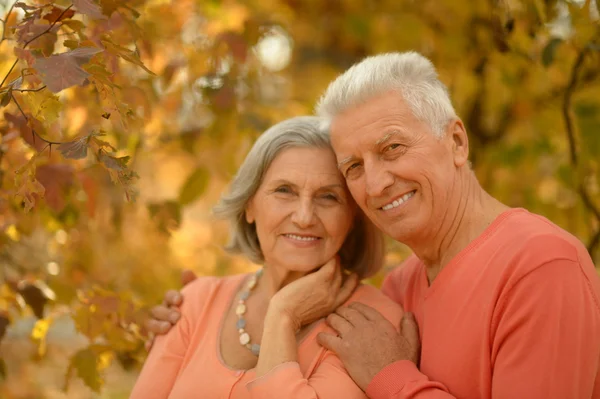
(39, 333)
(43, 105)
(105, 359)
(40, 329)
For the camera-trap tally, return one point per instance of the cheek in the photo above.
(338, 223)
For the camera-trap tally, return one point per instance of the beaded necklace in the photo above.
(240, 311)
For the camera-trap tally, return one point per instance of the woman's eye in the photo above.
(332, 197)
(283, 189)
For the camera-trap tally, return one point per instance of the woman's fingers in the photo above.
(348, 287)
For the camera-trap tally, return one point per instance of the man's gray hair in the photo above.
(362, 251)
(410, 74)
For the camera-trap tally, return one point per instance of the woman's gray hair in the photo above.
(363, 249)
(410, 74)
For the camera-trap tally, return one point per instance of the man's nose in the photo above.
(377, 178)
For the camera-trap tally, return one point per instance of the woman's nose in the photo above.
(304, 214)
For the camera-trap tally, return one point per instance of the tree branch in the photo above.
(33, 132)
(4, 21)
(573, 153)
(33, 39)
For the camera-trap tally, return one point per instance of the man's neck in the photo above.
(470, 211)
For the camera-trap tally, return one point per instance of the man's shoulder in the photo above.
(409, 269)
(535, 239)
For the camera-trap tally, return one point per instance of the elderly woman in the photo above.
(240, 336)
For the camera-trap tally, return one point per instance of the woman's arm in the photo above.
(163, 364)
(166, 358)
(300, 303)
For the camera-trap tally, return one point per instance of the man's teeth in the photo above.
(295, 237)
(398, 202)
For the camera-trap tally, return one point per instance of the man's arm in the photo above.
(547, 335)
(166, 315)
(546, 343)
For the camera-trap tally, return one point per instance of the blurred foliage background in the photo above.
(122, 121)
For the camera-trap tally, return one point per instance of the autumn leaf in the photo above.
(194, 186)
(28, 188)
(85, 362)
(76, 149)
(39, 334)
(57, 179)
(35, 298)
(4, 322)
(237, 45)
(24, 55)
(125, 53)
(2, 369)
(57, 14)
(43, 105)
(89, 8)
(61, 71)
(166, 215)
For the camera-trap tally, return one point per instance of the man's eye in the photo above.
(391, 147)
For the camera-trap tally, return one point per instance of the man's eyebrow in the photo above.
(345, 161)
(387, 137)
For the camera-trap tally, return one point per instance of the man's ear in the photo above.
(460, 142)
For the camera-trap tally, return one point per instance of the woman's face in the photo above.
(302, 209)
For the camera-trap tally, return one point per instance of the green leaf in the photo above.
(194, 186)
(85, 363)
(549, 51)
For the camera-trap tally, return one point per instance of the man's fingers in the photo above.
(410, 330)
(347, 289)
(339, 324)
(163, 313)
(353, 316)
(367, 311)
(172, 298)
(158, 327)
(187, 276)
(329, 341)
(149, 342)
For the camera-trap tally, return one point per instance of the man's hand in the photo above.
(165, 315)
(367, 342)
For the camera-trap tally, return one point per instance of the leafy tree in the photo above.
(123, 121)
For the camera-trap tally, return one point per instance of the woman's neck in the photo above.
(275, 278)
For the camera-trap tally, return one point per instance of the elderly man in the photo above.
(506, 302)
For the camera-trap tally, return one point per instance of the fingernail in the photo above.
(173, 317)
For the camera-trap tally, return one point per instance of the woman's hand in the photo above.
(313, 296)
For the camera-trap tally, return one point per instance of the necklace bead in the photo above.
(240, 311)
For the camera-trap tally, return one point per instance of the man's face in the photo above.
(397, 170)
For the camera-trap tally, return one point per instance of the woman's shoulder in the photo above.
(374, 298)
(209, 290)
